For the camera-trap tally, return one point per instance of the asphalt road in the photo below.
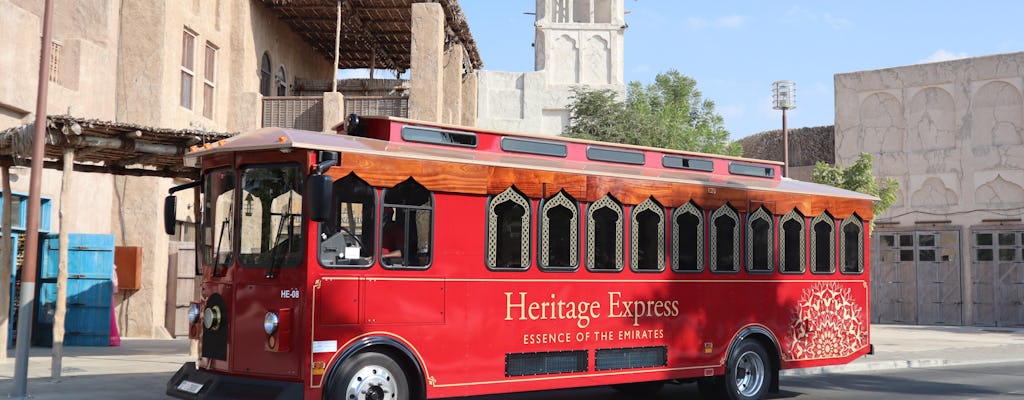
(981, 381)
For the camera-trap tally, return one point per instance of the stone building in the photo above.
(577, 43)
(208, 66)
(951, 250)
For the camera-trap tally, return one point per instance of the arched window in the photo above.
(559, 232)
(508, 230)
(347, 236)
(407, 226)
(725, 239)
(265, 83)
(647, 236)
(851, 247)
(792, 243)
(604, 235)
(823, 246)
(688, 238)
(759, 242)
(282, 81)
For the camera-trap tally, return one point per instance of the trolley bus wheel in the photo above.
(369, 376)
(747, 374)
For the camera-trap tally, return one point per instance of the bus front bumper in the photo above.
(190, 383)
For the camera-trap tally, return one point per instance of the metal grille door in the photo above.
(938, 278)
(894, 280)
(998, 278)
(915, 278)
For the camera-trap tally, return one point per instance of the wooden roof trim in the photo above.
(108, 147)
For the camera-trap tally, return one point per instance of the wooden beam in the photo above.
(61, 310)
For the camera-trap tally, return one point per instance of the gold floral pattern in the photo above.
(827, 322)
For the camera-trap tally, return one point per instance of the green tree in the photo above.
(670, 113)
(859, 178)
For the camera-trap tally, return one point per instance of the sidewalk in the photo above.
(139, 368)
(904, 346)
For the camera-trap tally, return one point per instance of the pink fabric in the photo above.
(115, 335)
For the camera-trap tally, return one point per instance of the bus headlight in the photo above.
(270, 322)
(193, 313)
(211, 318)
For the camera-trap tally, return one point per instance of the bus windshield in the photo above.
(218, 217)
(270, 216)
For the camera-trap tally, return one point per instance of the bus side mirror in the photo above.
(170, 209)
(318, 193)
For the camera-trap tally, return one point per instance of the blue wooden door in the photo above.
(90, 269)
(11, 315)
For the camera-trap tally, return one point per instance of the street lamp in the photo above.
(784, 98)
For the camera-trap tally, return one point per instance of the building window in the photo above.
(347, 236)
(792, 243)
(688, 238)
(559, 232)
(407, 226)
(604, 235)
(55, 55)
(581, 11)
(508, 230)
(759, 242)
(647, 235)
(282, 81)
(188, 63)
(851, 247)
(725, 239)
(560, 10)
(823, 247)
(265, 77)
(209, 79)
(602, 11)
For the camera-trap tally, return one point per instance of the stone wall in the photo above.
(807, 146)
(952, 134)
(577, 43)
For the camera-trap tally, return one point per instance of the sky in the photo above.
(736, 49)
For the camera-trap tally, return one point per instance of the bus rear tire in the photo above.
(748, 374)
(369, 376)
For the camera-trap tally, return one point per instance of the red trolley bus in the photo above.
(409, 260)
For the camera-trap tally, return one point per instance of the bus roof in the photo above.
(403, 138)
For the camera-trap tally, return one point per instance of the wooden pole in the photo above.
(337, 45)
(62, 267)
(27, 299)
(6, 258)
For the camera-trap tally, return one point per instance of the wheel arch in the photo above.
(400, 352)
(770, 344)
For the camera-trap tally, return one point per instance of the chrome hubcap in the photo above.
(372, 382)
(750, 372)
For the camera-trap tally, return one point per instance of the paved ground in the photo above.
(139, 368)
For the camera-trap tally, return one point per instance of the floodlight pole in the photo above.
(785, 146)
(28, 272)
(784, 98)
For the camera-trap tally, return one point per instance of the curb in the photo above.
(888, 365)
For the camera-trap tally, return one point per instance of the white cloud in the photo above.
(802, 15)
(836, 22)
(732, 21)
(943, 55)
(697, 23)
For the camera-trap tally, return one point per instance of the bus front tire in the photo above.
(748, 374)
(369, 376)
